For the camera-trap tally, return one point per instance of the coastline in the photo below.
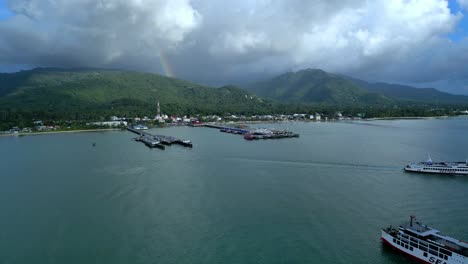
(227, 123)
(406, 118)
(59, 132)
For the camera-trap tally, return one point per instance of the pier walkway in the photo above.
(158, 140)
(252, 134)
(226, 129)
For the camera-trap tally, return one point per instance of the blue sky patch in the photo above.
(462, 27)
(4, 10)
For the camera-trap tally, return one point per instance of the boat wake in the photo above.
(318, 164)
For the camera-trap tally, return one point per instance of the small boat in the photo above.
(140, 127)
(187, 143)
(249, 136)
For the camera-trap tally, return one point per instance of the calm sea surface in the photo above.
(321, 198)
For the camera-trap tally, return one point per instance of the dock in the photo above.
(158, 141)
(226, 129)
(254, 134)
(168, 140)
(150, 142)
(273, 135)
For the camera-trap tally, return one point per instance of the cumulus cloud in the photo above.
(222, 41)
(89, 32)
(354, 36)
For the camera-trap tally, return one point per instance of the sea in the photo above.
(321, 198)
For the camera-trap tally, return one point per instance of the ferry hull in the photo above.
(391, 244)
(418, 170)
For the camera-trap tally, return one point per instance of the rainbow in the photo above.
(165, 65)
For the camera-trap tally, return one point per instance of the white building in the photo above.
(111, 123)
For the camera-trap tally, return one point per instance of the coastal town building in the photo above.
(111, 123)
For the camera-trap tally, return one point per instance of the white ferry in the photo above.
(425, 244)
(439, 167)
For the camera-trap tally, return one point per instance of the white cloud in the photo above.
(376, 39)
(463, 4)
(111, 28)
(352, 34)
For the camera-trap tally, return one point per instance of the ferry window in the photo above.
(445, 257)
(433, 247)
(441, 255)
(411, 248)
(446, 252)
(394, 240)
(425, 254)
(398, 242)
(413, 244)
(433, 252)
(406, 246)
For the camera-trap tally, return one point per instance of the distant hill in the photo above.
(405, 92)
(319, 87)
(95, 92)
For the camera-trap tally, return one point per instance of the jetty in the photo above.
(253, 134)
(168, 140)
(271, 134)
(150, 142)
(227, 129)
(158, 141)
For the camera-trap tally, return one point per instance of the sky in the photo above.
(417, 42)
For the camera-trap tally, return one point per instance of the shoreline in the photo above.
(407, 118)
(227, 123)
(336, 120)
(59, 132)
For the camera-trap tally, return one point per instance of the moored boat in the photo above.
(140, 127)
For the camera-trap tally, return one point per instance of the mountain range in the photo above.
(90, 93)
(320, 87)
(80, 91)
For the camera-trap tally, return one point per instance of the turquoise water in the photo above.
(320, 198)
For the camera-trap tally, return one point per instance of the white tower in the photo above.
(159, 110)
